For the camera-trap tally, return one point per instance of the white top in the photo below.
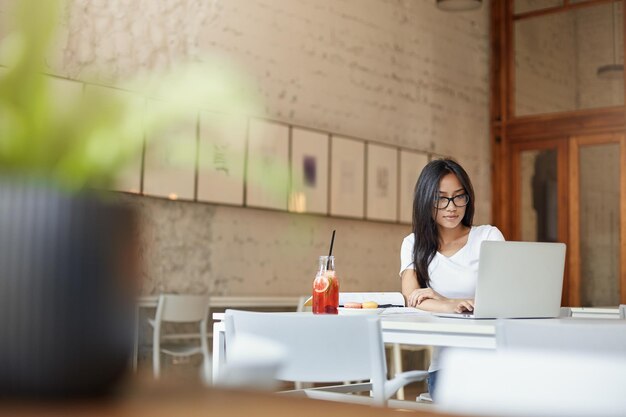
(454, 276)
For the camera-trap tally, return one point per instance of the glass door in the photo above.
(597, 198)
(539, 193)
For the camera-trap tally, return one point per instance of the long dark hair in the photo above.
(424, 226)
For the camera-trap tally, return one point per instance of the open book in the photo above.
(403, 310)
(383, 299)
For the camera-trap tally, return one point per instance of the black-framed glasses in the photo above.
(460, 200)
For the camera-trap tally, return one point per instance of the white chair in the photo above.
(531, 383)
(622, 311)
(540, 367)
(393, 298)
(181, 309)
(252, 368)
(588, 336)
(305, 303)
(396, 360)
(326, 349)
(382, 298)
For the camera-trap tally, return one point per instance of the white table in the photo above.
(438, 331)
(421, 330)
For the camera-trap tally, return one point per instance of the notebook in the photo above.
(517, 280)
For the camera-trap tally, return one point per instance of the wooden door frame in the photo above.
(507, 130)
(574, 259)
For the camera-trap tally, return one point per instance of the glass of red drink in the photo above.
(326, 287)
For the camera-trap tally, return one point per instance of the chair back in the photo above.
(531, 383)
(324, 348)
(180, 308)
(305, 302)
(602, 336)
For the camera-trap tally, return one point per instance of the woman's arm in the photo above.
(429, 300)
(409, 284)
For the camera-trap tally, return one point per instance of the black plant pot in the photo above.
(66, 279)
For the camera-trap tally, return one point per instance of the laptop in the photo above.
(517, 280)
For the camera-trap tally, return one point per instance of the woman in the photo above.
(439, 260)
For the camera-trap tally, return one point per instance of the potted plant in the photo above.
(68, 253)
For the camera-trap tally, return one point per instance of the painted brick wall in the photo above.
(395, 71)
(545, 64)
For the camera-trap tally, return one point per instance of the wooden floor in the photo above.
(166, 400)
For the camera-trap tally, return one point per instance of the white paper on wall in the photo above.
(267, 175)
(221, 156)
(65, 94)
(309, 172)
(347, 177)
(170, 158)
(382, 183)
(129, 177)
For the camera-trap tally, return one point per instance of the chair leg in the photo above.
(397, 366)
(156, 360)
(205, 371)
(206, 357)
(428, 354)
(135, 353)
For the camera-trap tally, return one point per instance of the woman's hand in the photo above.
(421, 294)
(462, 306)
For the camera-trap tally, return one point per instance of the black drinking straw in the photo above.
(330, 252)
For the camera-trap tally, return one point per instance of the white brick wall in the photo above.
(395, 71)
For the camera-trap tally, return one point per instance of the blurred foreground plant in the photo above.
(84, 142)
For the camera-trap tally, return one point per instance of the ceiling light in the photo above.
(458, 5)
(612, 71)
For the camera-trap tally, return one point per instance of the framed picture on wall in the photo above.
(66, 92)
(221, 156)
(382, 183)
(267, 176)
(129, 177)
(170, 158)
(347, 179)
(309, 171)
(411, 165)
